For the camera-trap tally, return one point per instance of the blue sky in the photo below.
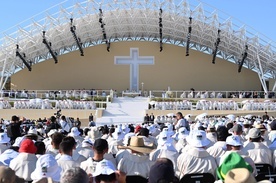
(260, 15)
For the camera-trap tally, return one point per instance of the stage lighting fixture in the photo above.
(23, 58)
(216, 47)
(189, 36)
(244, 55)
(161, 29)
(102, 24)
(49, 45)
(77, 40)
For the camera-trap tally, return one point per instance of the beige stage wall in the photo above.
(172, 68)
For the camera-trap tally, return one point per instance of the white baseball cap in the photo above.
(234, 140)
(104, 167)
(46, 166)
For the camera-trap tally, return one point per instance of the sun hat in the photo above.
(87, 143)
(32, 134)
(161, 170)
(118, 134)
(232, 161)
(137, 144)
(104, 167)
(4, 139)
(27, 146)
(241, 175)
(7, 175)
(32, 131)
(127, 137)
(182, 133)
(94, 133)
(237, 128)
(234, 140)
(51, 132)
(18, 141)
(46, 166)
(163, 137)
(74, 132)
(125, 129)
(261, 127)
(254, 133)
(198, 138)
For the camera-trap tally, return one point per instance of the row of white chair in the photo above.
(214, 105)
(46, 104)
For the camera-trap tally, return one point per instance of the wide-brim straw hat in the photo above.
(137, 144)
(241, 175)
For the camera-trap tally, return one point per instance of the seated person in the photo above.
(24, 164)
(196, 159)
(137, 162)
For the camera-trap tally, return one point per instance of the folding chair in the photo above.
(198, 178)
(136, 179)
(266, 176)
(264, 168)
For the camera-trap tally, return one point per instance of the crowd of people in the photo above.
(82, 94)
(214, 105)
(227, 149)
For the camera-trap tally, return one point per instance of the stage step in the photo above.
(124, 110)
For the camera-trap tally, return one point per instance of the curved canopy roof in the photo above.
(136, 20)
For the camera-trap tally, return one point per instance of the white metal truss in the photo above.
(137, 20)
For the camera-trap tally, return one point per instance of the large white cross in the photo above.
(134, 60)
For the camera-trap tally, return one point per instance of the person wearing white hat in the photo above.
(211, 134)
(115, 140)
(100, 148)
(94, 133)
(86, 148)
(32, 134)
(4, 142)
(48, 140)
(165, 149)
(76, 134)
(202, 161)
(264, 134)
(257, 151)
(219, 148)
(46, 166)
(154, 131)
(106, 172)
(234, 144)
(8, 155)
(180, 137)
(104, 167)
